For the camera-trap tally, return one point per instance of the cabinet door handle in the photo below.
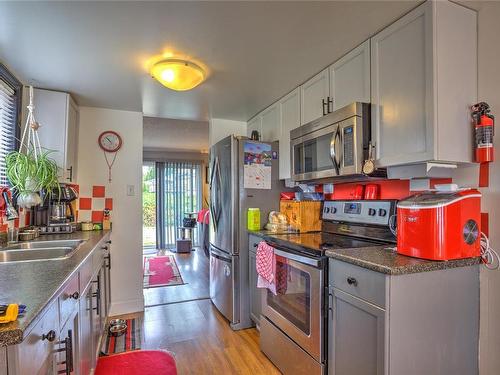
(255, 245)
(49, 336)
(352, 281)
(108, 257)
(70, 170)
(97, 295)
(325, 106)
(108, 242)
(104, 248)
(68, 351)
(329, 101)
(330, 305)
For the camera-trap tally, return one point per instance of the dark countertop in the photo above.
(36, 283)
(379, 258)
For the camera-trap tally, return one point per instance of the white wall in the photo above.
(126, 249)
(489, 91)
(175, 135)
(220, 128)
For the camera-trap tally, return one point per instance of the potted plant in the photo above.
(29, 173)
(30, 169)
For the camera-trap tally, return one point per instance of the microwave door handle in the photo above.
(333, 154)
(341, 147)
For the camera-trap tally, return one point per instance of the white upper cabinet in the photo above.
(57, 114)
(254, 124)
(314, 95)
(289, 119)
(270, 123)
(350, 77)
(423, 81)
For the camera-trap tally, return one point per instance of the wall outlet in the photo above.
(130, 190)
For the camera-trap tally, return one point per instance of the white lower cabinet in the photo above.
(37, 353)
(381, 324)
(66, 339)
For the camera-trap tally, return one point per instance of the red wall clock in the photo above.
(110, 141)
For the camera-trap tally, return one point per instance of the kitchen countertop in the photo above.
(379, 258)
(36, 283)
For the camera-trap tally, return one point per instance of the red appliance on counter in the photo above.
(440, 225)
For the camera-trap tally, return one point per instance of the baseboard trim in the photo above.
(127, 307)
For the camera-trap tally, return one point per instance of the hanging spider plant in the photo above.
(30, 169)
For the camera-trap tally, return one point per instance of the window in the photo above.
(10, 109)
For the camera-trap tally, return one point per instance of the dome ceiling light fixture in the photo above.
(177, 74)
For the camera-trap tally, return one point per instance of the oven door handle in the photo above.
(298, 258)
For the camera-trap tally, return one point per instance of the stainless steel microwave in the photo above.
(335, 145)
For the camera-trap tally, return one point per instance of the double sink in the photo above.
(39, 250)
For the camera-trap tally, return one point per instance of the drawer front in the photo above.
(34, 355)
(360, 282)
(67, 300)
(86, 272)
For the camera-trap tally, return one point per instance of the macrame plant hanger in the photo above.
(30, 139)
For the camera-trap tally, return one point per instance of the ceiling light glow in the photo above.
(177, 74)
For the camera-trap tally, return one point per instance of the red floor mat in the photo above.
(141, 362)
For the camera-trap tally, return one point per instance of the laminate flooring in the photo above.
(202, 341)
(194, 269)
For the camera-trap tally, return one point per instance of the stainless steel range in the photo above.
(293, 327)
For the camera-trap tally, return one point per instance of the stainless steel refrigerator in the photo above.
(239, 178)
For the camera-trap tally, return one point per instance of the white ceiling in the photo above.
(255, 51)
(175, 135)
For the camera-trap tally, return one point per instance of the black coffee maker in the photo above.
(56, 213)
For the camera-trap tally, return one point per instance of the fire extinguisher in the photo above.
(484, 130)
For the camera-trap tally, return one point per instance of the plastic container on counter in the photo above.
(253, 219)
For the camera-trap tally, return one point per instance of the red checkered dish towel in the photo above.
(265, 263)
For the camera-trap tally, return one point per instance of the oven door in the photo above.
(297, 307)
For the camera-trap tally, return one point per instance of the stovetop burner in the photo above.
(317, 243)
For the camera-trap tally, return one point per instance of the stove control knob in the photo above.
(382, 212)
(334, 210)
(327, 210)
(372, 211)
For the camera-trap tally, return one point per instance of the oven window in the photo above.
(293, 299)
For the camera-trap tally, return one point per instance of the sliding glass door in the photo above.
(179, 193)
(149, 205)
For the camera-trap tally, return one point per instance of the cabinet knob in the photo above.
(104, 247)
(108, 242)
(75, 295)
(49, 336)
(352, 281)
(255, 244)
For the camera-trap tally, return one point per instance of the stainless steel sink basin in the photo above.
(36, 254)
(43, 244)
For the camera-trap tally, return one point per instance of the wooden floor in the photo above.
(194, 269)
(194, 331)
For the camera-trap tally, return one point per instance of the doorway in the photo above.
(172, 191)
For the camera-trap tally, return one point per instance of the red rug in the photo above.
(161, 271)
(142, 362)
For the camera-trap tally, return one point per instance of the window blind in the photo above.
(8, 123)
(10, 102)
